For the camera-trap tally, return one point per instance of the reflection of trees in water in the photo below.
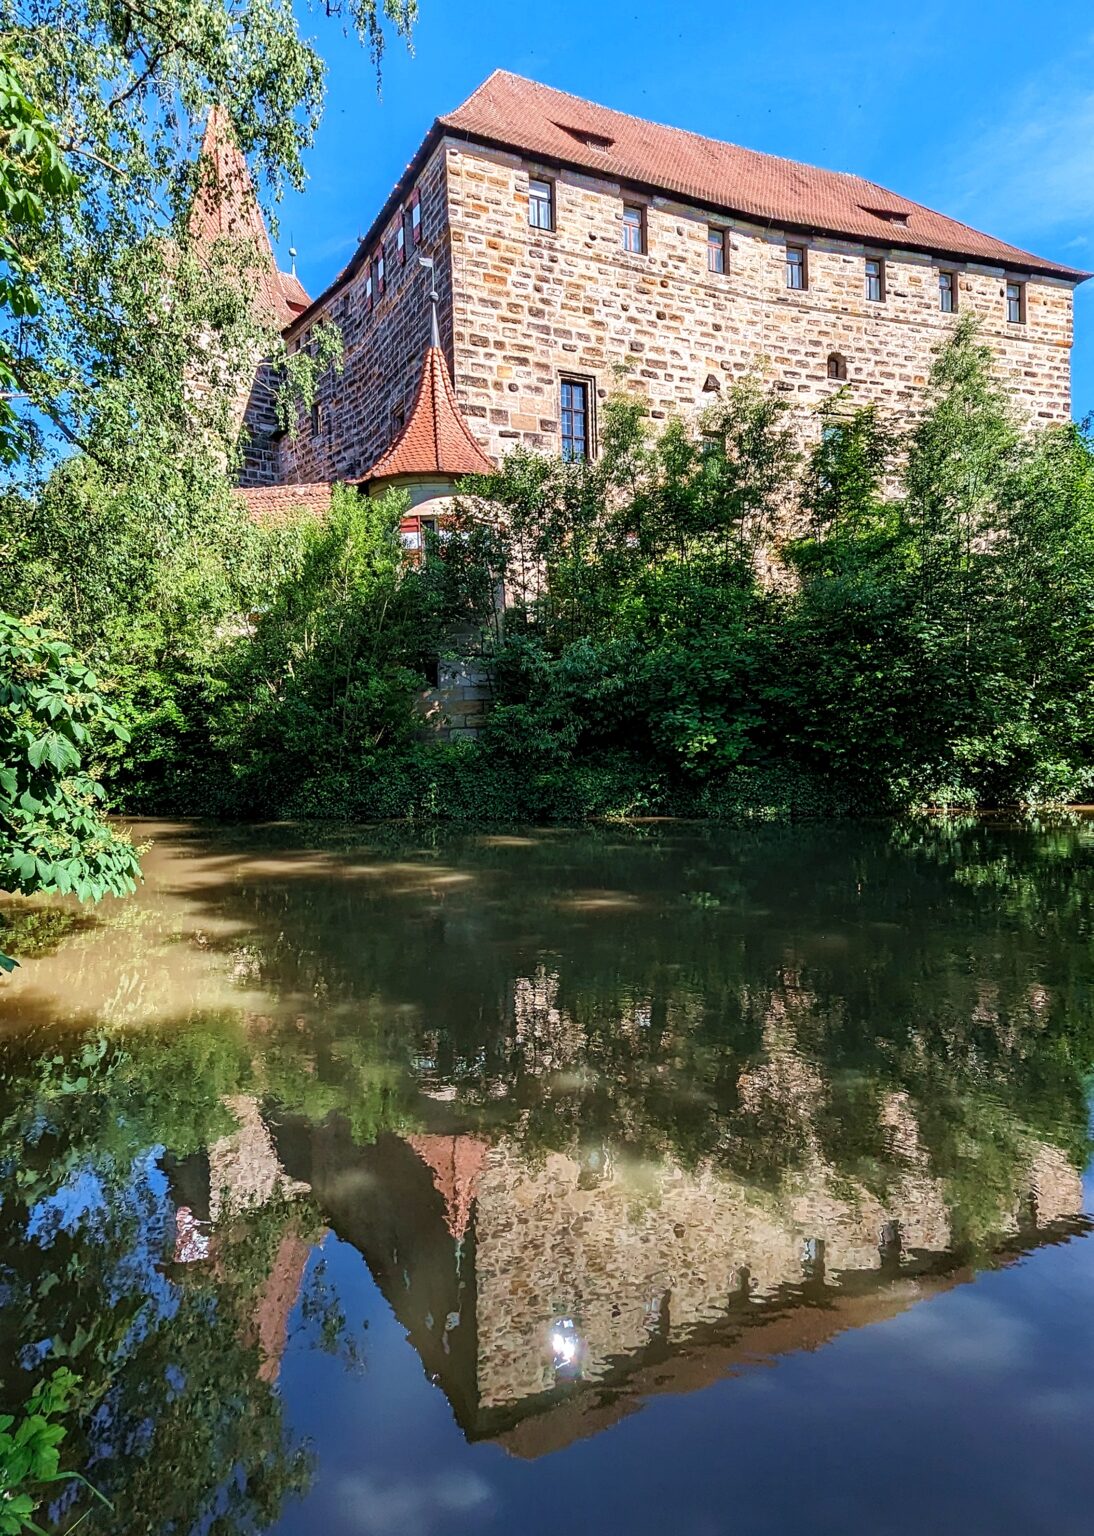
(612, 988)
(176, 1418)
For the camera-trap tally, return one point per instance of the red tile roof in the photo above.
(281, 503)
(515, 113)
(511, 112)
(435, 439)
(225, 207)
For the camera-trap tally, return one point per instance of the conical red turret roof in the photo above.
(435, 439)
(226, 207)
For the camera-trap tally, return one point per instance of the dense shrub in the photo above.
(926, 636)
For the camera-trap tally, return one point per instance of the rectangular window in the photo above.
(541, 204)
(795, 267)
(1016, 303)
(416, 218)
(400, 238)
(368, 292)
(716, 250)
(316, 419)
(947, 292)
(575, 419)
(875, 279)
(380, 270)
(634, 230)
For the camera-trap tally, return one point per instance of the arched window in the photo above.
(837, 366)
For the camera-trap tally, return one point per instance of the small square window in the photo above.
(795, 267)
(541, 204)
(947, 292)
(1016, 303)
(634, 230)
(716, 250)
(875, 279)
(574, 399)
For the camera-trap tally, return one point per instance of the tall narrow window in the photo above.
(541, 204)
(947, 292)
(380, 270)
(1016, 303)
(716, 249)
(875, 279)
(575, 419)
(400, 238)
(316, 419)
(368, 292)
(416, 218)
(634, 230)
(795, 266)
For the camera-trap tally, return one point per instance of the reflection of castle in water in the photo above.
(548, 1292)
(546, 1297)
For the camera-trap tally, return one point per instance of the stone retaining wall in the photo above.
(455, 709)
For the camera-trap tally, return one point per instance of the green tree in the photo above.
(33, 176)
(53, 833)
(126, 293)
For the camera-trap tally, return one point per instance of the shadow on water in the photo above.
(607, 1115)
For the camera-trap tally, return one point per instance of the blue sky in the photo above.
(987, 116)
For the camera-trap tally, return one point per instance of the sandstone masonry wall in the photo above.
(359, 409)
(520, 307)
(531, 304)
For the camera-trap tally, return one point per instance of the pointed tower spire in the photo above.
(457, 1164)
(225, 207)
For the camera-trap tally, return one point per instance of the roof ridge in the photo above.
(692, 133)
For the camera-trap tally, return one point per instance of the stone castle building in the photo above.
(570, 247)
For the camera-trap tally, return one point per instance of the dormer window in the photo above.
(541, 204)
(587, 137)
(890, 215)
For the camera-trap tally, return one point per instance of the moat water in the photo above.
(612, 1180)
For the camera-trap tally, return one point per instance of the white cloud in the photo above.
(371, 1507)
(1030, 171)
(966, 1334)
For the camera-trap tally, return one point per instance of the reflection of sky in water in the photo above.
(969, 1413)
(139, 1209)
